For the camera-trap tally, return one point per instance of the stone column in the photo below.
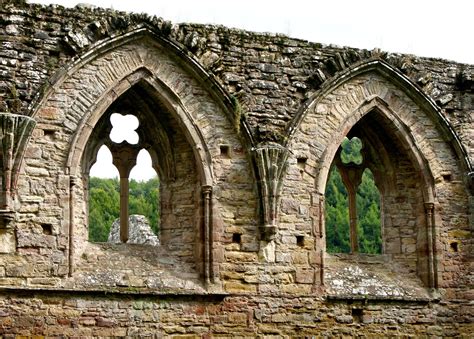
(124, 158)
(351, 175)
(208, 241)
(429, 212)
(73, 181)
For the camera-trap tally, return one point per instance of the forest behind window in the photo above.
(337, 215)
(104, 204)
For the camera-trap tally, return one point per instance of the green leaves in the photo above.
(351, 151)
(104, 204)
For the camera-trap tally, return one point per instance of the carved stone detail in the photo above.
(15, 131)
(271, 164)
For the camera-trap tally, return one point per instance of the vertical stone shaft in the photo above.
(351, 175)
(124, 158)
(206, 192)
(72, 203)
(429, 207)
(124, 208)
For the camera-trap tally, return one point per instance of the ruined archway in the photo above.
(400, 124)
(143, 74)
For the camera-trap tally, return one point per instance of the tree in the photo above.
(104, 207)
(337, 214)
(104, 204)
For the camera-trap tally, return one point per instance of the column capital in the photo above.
(206, 189)
(429, 207)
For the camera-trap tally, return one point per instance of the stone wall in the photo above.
(243, 129)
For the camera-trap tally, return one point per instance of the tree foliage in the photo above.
(104, 204)
(337, 215)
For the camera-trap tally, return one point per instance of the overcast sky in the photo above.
(430, 28)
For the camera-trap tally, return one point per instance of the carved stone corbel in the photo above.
(271, 163)
(15, 131)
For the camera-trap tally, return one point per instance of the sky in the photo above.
(428, 28)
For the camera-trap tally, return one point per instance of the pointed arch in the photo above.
(395, 77)
(185, 114)
(378, 105)
(173, 104)
(369, 95)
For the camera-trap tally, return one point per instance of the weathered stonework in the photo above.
(243, 129)
(139, 232)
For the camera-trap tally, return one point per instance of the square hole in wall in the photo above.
(224, 151)
(300, 240)
(454, 246)
(236, 238)
(47, 229)
(301, 161)
(447, 177)
(357, 315)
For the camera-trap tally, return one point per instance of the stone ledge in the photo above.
(380, 299)
(117, 292)
(220, 295)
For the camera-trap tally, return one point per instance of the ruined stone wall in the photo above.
(243, 129)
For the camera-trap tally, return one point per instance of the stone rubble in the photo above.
(139, 232)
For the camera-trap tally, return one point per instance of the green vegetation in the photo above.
(104, 204)
(337, 215)
(351, 151)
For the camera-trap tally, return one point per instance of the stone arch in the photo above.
(401, 130)
(79, 97)
(400, 81)
(374, 90)
(173, 104)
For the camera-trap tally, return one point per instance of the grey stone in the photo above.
(139, 231)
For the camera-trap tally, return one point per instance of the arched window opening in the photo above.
(172, 178)
(353, 219)
(123, 183)
(104, 196)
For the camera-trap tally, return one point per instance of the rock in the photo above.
(139, 231)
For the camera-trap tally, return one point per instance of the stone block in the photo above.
(237, 287)
(300, 258)
(238, 317)
(7, 241)
(304, 276)
(238, 257)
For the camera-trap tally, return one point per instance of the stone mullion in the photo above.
(124, 158)
(124, 194)
(351, 175)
